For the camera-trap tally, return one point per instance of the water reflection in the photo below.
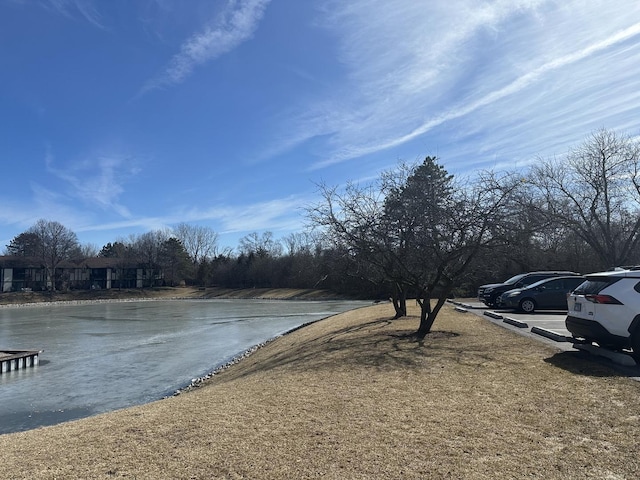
(101, 357)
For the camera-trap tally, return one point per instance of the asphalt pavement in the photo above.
(548, 327)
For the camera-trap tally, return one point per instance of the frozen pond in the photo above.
(105, 356)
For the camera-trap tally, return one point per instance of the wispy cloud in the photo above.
(461, 110)
(96, 180)
(71, 8)
(403, 59)
(413, 67)
(235, 25)
(276, 215)
(18, 216)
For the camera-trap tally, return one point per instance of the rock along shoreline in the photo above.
(199, 381)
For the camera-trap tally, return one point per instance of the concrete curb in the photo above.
(624, 363)
(515, 323)
(464, 305)
(550, 334)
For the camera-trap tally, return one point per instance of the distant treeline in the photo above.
(417, 231)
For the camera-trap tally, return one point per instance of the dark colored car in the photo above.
(488, 294)
(550, 294)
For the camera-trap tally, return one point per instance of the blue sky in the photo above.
(125, 116)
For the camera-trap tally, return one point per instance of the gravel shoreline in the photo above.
(200, 381)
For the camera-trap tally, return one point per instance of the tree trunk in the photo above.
(399, 299)
(427, 314)
(426, 322)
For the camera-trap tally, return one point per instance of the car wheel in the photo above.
(527, 305)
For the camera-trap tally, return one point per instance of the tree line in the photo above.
(416, 232)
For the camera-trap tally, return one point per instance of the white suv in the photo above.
(606, 309)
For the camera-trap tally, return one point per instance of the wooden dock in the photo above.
(17, 359)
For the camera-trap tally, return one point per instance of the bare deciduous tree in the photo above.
(56, 243)
(595, 192)
(349, 221)
(201, 243)
(301, 243)
(260, 245)
(147, 248)
(88, 250)
(419, 230)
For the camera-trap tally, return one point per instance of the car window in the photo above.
(572, 283)
(554, 284)
(537, 283)
(595, 285)
(532, 279)
(514, 279)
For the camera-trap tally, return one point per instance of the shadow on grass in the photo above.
(372, 345)
(581, 363)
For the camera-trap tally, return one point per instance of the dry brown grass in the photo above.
(353, 397)
(13, 298)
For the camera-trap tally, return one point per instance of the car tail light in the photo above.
(606, 299)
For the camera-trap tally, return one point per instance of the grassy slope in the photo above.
(354, 397)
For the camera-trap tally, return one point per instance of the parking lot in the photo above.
(552, 320)
(548, 327)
